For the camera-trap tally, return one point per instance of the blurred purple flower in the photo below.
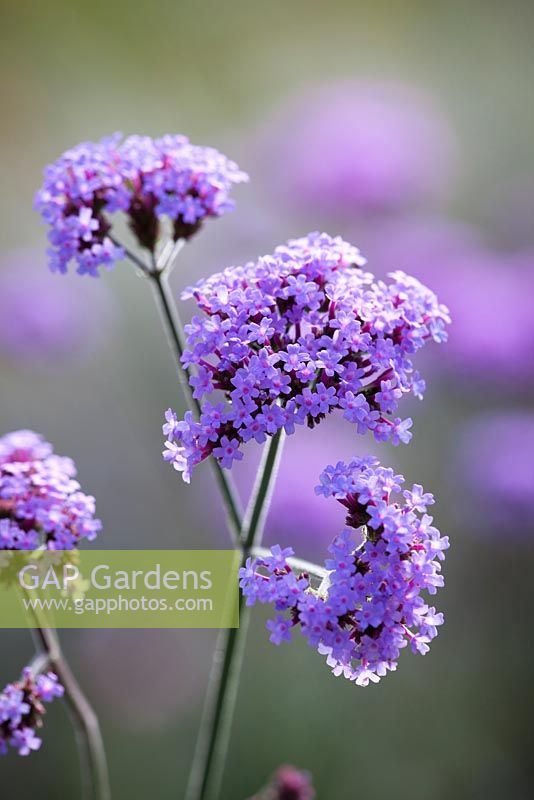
(43, 319)
(496, 467)
(288, 783)
(360, 147)
(41, 503)
(488, 294)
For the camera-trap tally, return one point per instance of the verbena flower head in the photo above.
(22, 708)
(147, 179)
(41, 503)
(286, 340)
(288, 783)
(370, 605)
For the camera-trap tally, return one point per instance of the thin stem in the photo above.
(254, 522)
(296, 563)
(212, 741)
(175, 335)
(160, 284)
(39, 663)
(135, 259)
(247, 532)
(158, 274)
(95, 781)
(212, 745)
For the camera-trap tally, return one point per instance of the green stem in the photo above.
(158, 273)
(212, 745)
(175, 335)
(134, 258)
(95, 781)
(297, 564)
(39, 663)
(160, 284)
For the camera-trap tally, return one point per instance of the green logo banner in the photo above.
(119, 589)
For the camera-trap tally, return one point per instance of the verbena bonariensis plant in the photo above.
(280, 342)
(287, 340)
(42, 507)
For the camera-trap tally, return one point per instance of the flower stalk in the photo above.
(158, 275)
(246, 531)
(93, 763)
(296, 564)
(212, 746)
(160, 284)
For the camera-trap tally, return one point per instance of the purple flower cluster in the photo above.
(369, 606)
(147, 179)
(293, 336)
(288, 783)
(40, 500)
(21, 710)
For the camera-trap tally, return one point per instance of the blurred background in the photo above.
(407, 128)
